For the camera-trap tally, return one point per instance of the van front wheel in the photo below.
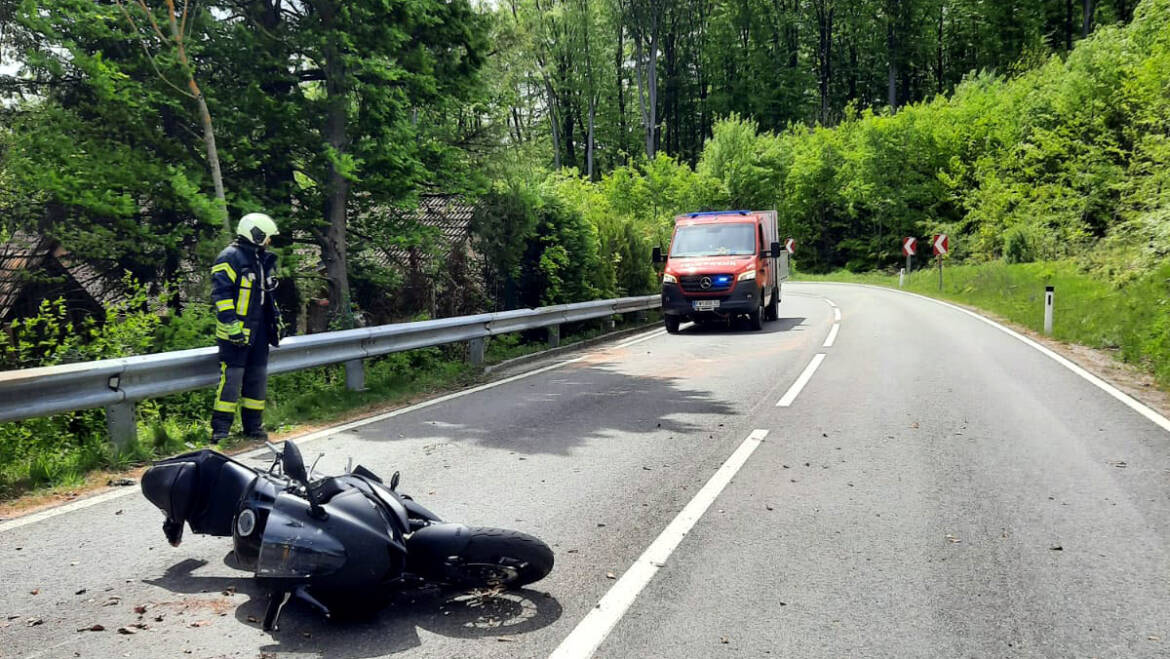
(772, 311)
(672, 323)
(756, 318)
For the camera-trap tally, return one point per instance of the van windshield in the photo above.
(714, 240)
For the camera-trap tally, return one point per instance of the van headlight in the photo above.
(747, 274)
(668, 278)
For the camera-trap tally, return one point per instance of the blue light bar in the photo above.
(710, 213)
(723, 279)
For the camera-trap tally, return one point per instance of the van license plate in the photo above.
(705, 305)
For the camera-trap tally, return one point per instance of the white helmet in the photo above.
(257, 228)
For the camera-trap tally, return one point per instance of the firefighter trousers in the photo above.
(243, 384)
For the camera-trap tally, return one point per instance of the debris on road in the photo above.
(952, 539)
(1056, 548)
(724, 640)
(126, 631)
(35, 622)
(610, 575)
(93, 628)
(121, 482)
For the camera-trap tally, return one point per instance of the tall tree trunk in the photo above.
(619, 57)
(638, 78)
(178, 37)
(333, 244)
(892, 55)
(646, 22)
(589, 139)
(1068, 24)
(1087, 25)
(568, 114)
(940, 75)
(552, 122)
(824, 11)
(652, 92)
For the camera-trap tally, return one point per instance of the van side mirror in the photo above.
(656, 255)
(777, 249)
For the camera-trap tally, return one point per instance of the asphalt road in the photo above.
(937, 488)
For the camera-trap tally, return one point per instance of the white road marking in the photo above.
(831, 303)
(832, 335)
(836, 313)
(1121, 396)
(798, 386)
(588, 635)
(325, 432)
(639, 339)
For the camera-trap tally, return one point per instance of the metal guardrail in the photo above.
(117, 384)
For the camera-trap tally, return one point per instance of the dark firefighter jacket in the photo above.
(243, 280)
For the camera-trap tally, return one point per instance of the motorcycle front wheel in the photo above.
(498, 558)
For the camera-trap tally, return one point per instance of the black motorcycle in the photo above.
(340, 543)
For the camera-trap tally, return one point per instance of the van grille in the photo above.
(715, 283)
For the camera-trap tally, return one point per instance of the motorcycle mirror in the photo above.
(293, 463)
(394, 480)
(313, 467)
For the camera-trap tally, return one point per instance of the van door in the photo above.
(766, 264)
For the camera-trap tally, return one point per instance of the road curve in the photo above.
(932, 487)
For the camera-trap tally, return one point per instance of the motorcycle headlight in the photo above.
(747, 274)
(668, 278)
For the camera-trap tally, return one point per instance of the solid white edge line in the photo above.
(836, 314)
(1121, 396)
(313, 436)
(832, 336)
(798, 386)
(593, 629)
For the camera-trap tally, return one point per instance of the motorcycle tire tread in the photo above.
(491, 544)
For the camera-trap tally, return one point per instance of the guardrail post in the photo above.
(475, 349)
(640, 316)
(554, 336)
(355, 375)
(122, 425)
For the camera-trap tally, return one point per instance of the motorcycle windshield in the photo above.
(294, 545)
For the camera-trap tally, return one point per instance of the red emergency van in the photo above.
(722, 265)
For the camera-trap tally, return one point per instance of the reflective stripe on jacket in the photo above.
(242, 279)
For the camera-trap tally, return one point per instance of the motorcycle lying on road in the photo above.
(340, 543)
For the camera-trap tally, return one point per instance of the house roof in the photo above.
(28, 255)
(449, 215)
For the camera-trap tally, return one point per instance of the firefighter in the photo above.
(243, 280)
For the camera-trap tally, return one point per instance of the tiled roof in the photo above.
(27, 255)
(450, 215)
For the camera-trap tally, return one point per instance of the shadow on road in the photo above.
(561, 410)
(740, 325)
(389, 630)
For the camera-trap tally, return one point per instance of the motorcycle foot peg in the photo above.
(276, 602)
